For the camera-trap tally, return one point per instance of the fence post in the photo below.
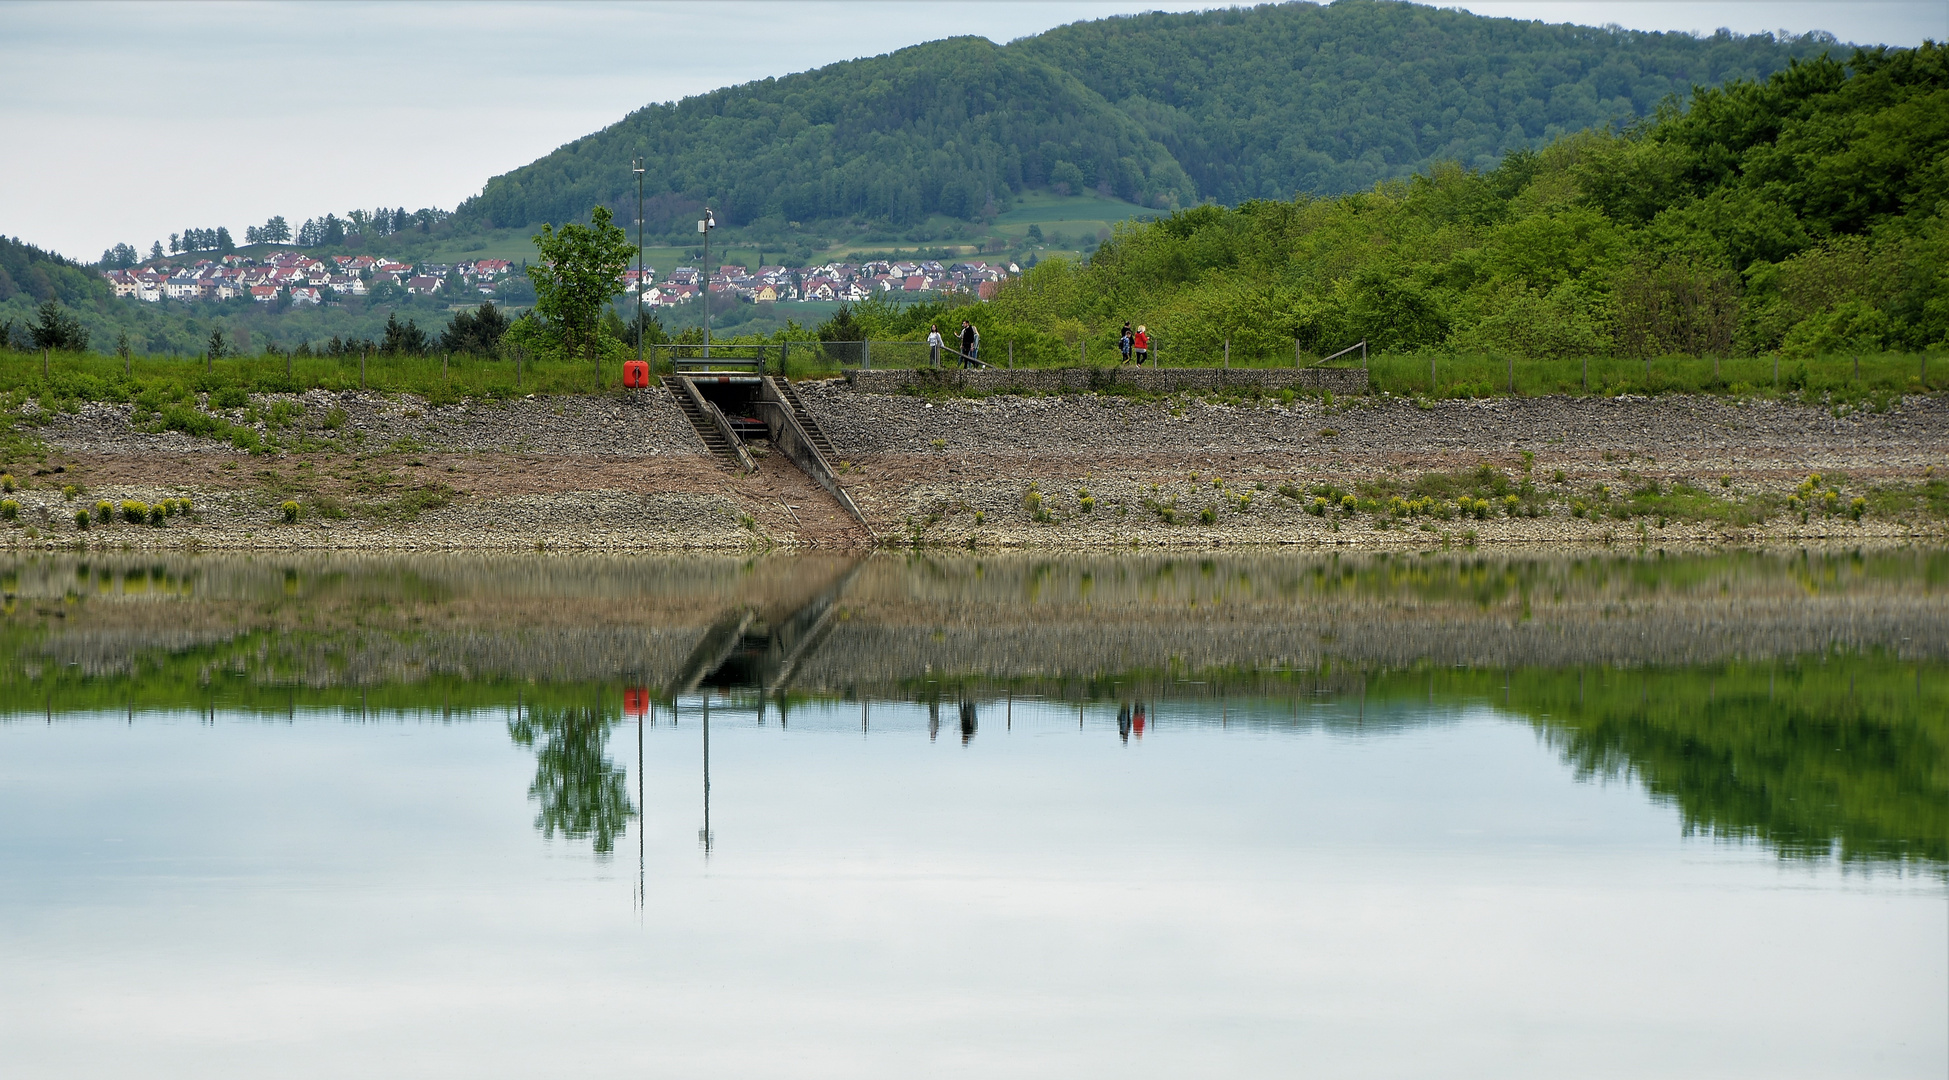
(361, 369)
(1857, 367)
(1085, 353)
(1431, 375)
(1512, 374)
(45, 364)
(1295, 354)
(1228, 354)
(445, 379)
(866, 354)
(1586, 373)
(1776, 372)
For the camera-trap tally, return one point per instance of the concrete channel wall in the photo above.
(1077, 379)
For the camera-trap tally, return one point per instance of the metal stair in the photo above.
(719, 446)
(811, 426)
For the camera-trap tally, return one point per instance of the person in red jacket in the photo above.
(1140, 344)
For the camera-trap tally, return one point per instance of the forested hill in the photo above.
(1264, 102)
(944, 127)
(1166, 110)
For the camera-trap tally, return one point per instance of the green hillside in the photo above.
(1267, 101)
(947, 127)
(1802, 215)
(1157, 110)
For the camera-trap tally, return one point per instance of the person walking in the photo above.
(1124, 342)
(1140, 343)
(967, 343)
(974, 353)
(934, 344)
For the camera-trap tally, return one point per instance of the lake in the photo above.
(1447, 813)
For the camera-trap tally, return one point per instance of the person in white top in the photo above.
(934, 345)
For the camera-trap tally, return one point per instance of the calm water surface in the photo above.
(1436, 815)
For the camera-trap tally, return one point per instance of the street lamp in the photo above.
(636, 166)
(705, 226)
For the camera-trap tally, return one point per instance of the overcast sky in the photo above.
(126, 122)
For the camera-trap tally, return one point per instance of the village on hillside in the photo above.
(299, 278)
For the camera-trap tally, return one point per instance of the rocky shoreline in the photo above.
(625, 472)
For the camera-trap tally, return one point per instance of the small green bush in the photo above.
(104, 511)
(69, 491)
(230, 397)
(82, 520)
(7, 483)
(133, 512)
(158, 514)
(9, 509)
(1209, 515)
(1087, 503)
(291, 511)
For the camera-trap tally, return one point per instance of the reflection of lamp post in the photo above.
(705, 226)
(704, 834)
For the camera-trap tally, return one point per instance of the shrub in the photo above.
(135, 513)
(7, 483)
(1857, 507)
(9, 509)
(104, 511)
(184, 506)
(1348, 504)
(1209, 515)
(1318, 509)
(158, 514)
(1087, 503)
(1509, 504)
(230, 397)
(290, 510)
(82, 520)
(69, 491)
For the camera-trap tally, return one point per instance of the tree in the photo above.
(276, 231)
(332, 230)
(58, 330)
(225, 245)
(478, 332)
(175, 243)
(581, 269)
(407, 340)
(217, 348)
(155, 250)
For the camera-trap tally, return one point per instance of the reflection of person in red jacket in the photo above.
(1137, 721)
(1140, 344)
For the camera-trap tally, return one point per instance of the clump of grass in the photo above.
(133, 512)
(7, 483)
(82, 519)
(1087, 503)
(158, 514)
(940, 444)
(1209, 515)
(104, 511)
(9, 510)
(68, 492)
(980, 517)
(291, 511)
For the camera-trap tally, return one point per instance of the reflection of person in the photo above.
(1137, 721)
(968, 721)
(1123, 722)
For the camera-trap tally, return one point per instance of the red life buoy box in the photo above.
(636, 699)
(636, 374)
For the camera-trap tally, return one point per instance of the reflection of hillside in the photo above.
(1028, 621)
(1071, 621)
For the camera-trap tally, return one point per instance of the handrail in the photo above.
(1361, 345)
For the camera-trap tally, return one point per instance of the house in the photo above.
(263, 294)
(423, 285)
(765, 294)
(305, 295)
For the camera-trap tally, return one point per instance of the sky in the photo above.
(129, 121)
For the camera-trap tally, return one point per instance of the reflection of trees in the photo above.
(581, 793)
(1849, 758)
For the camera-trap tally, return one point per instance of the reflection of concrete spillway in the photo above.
(747, 648)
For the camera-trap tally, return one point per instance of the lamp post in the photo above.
(705, 226)
(636, 166)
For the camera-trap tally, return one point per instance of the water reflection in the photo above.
(1797, 701)
(583, 795)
